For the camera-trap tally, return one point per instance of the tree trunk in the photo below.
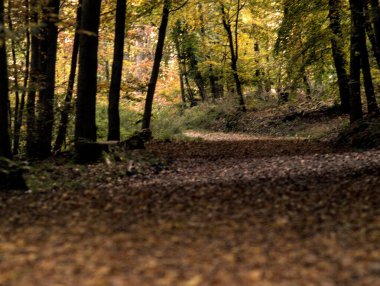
(5, 144)
(48, 53)
(234, 59)
(33, 82)
(338, 54)
(190, 92)
(356, 112)
(200, 84)
(18, 122)
(213, 86)
(156, 66)
(117, 69)
(357, 10)
(180, 69)
(183, 92)
(85, 122)
(376, 19)
(62, 130)
(371, 34)
(15, 69)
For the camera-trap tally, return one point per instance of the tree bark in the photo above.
(180, 69)
(357, 10)
(62, 129)
(15, 73)
(34, 81)
(5, 144)
(234, 59)
(48, 53)
(376, 19)
(190, 92)
(117, 69)
(20, 114)
(85, 124)
(156, 66)
(371, 34)
(338, 54)
(356, 112)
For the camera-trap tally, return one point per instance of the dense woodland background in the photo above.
(72, 72)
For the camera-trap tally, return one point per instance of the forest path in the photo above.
(228, 210)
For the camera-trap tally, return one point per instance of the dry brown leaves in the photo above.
(234, 210)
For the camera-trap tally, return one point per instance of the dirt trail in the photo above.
(229, 210)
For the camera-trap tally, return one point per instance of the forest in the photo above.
(188, 142)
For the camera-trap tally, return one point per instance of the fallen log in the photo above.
(88, 152)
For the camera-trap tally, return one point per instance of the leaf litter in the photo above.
(226, 210)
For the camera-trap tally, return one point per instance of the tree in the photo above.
(5, 145)
(359, 47)
(337, 41)
(33, 80)
(186, 45)
(48, 56)
(62, 129)
(85, 125)
(156, 67)
(15, 72)
(356, 112)
(371, 33)
(234, 48)
(19, 113)
(376, 19)
(117, 68)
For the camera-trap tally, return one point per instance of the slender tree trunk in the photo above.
(338, 54)
(85, 122)
(62, 129)
(181, 73)
(183, 92)
(357, 10)
(5, 143)
(107, 70)
(34, 80)
(371, 34)
(190, 92)
(213, 85)
(211, 76)
(258, 73)
(48, 50)
(356, 112)
(156, 66)
(306, 82)
(234, 59)
(14, 64)
(18, 122)
(117, 69)
(200, 83)
(376, 19)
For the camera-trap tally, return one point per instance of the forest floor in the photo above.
(229, 210)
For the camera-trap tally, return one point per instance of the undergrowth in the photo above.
(263, 118)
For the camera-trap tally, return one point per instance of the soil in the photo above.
(226, 210)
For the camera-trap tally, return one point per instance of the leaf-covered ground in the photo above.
(228, 210)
